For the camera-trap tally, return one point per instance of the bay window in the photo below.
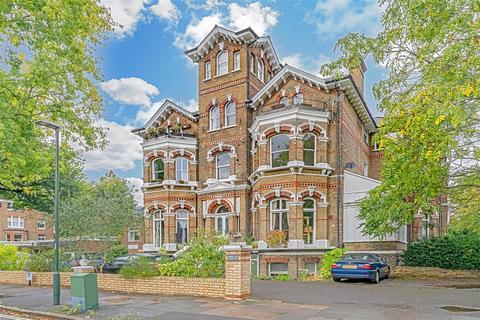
(279, 150)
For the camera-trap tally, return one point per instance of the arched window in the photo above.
(181, 169)
(223, 166)
(261, 70)
(309, 145)
(284, 101)
(158, 228)
(158, 170)
(279, 150)
(308, 221)
(279, 215)
(182, 227)
(298, 98)
(222, 220)
(214, 118)
(222, 63)
(230, 116)
(252, 63)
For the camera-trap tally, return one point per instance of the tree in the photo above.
(430, 100)
(103, 211)
(48, 71)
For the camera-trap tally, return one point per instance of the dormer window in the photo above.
(261, 70)
(222, 63)
(252, 63)
(230, 116)
(236, 61)
(208, 70)
(298, 98)
(214, 118)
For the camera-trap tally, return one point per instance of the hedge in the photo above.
(456, 250)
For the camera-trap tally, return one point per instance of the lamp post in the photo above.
(56, 274)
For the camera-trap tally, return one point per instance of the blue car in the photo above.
(360, 266)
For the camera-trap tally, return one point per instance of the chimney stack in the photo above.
(358, 76)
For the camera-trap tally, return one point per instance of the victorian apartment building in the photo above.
(23, 227)
(271, 147)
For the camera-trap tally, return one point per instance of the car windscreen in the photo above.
(360, 257)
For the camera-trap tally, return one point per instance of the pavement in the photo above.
(271, 300)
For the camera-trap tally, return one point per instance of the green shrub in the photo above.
(43, 261)
(11, 258)
(115, 252)
(456, 250)
(328, 260)
(205, 259)
(281, 277)
(141, 267)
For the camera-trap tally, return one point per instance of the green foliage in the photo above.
(142, 267)
(329, 259)
(457, 250)
(281, 277)
(466, 202)
(11, 258)
(263, 277)
(117, 250)
(48, 71)
(430, 100)
(43, 261)
(205, 259)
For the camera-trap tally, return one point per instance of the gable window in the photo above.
(230, 116)
(208, 70)
(222, 63)
(15, 222)
(223, 166)
(41, 224)
(279, 150)
(158, 170)
(284, 101)
(236, 60)
(182, 227)
(133, 235)
(279, 215)
(158, 226)
(261, 70)
(298, 98)
(222, 221)
(308, 221)
(252, 63)
(309, 149)
(214, 118)
(181, 169)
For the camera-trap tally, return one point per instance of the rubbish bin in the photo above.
(84, 291)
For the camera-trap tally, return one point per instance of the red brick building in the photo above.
(22, 226)
(271, 147)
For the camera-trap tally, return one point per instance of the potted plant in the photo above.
(277, 238)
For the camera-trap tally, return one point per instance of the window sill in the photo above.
(213, 130)
(236, 70)
(207, 79)
(232, 126)
(220, 75)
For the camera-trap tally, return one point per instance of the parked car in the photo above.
(119, 262)
(361, 266)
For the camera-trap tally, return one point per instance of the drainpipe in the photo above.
(338, 161)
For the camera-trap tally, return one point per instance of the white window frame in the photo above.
(227, 114)
(44, 224)
(158, 216)
(133, 231)
(276, 272)
(236, 61)
(223, 216)
(271, 152)
(281, 210)
(252, 63)
(314, 146)
(19, 222)
(298, 96)
(220, 54)
(41, 236)
(181, 172)
(260, 70)
(223, 166)
(208, 70)
(176, 223)
(153, 169)
(214, 111)
(314, 210)
(15, 235)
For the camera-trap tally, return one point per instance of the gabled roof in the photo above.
(166, 106)
(243, 36)
(346, 84)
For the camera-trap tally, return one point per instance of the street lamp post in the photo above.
(56, 274)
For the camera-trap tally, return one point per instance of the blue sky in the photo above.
(143, 62)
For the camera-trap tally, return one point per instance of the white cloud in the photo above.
(306, 63)
(135, 185)
(166, 10)
(122, 151)
(261, 19)
(254, 15)
(337, 17)
(133, 91)
(125, 12)
(207, 5)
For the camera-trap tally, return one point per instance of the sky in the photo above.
(143, 61)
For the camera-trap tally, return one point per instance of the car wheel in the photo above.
(376, 279)
(336, 279)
